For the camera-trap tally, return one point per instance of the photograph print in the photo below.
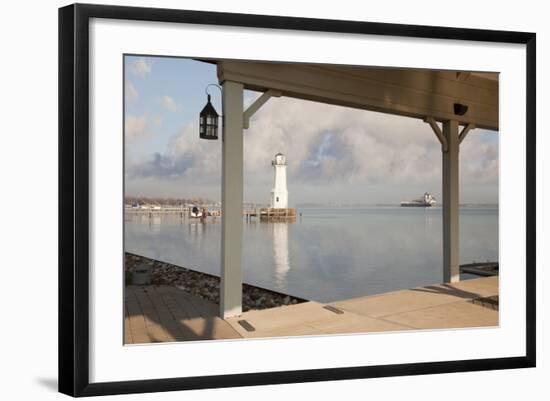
(370, 199)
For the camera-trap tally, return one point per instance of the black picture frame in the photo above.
(74, 200)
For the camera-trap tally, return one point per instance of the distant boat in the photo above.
(426, 201)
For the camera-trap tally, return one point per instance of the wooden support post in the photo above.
(232, 200)
(451, 272)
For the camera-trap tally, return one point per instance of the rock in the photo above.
(204, 286)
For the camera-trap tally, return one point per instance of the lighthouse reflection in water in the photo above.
(280, 252)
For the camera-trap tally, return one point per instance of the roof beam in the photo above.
(407, 92)
(462, 75)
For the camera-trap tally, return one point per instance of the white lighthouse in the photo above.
(279, 194)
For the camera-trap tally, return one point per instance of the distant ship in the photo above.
(426, 201)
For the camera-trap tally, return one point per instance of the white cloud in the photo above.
(479, 160)
(363, 147)
(130, 91)
(186, 156)
(138, 127)
(359, 146)
(335, 152)
(169, 104)
(140, 67)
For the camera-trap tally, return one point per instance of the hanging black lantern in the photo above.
(208, 122)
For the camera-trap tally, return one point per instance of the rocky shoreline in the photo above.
(205, 285)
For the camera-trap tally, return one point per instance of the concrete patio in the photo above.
(166, 313)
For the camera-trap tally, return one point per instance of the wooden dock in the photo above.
(271, 214)
(184, 211)
(485, 269)
(261, 213)
(165, 313)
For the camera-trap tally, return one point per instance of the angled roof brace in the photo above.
(465, 132)
(438, 133)
(254, 107)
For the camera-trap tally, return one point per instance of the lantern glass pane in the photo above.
(211, 131)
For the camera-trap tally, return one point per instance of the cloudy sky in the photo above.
(335, 154)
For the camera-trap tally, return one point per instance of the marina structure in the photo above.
(188, 211)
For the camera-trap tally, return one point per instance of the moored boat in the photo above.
(195, 212)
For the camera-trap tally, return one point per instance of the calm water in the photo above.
(328, 254)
